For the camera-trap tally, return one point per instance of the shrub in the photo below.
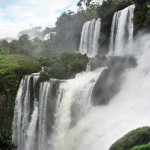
(134, 138)
(6, 142)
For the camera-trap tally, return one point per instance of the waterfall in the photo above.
(88, 67)
(121, 31)
(103, 125)
(63, 116)
(25, 103)
(75, 104)
(89, 38)
(38, 122)
(49, 36)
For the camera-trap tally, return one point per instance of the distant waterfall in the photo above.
(49, 36)
(89, 38)
(40, 123)
(121, 31)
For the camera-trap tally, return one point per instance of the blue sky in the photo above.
(16, 15)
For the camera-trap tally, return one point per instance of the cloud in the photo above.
(16, 15)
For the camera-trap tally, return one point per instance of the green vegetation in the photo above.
(33, 48)
(134, 140)
(142, 15)
(12, 69)
(23, 56)
(69, 26)
(106, 12)
(64, 66)
(142, 147)
(6, 142)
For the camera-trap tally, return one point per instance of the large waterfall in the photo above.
(43, 123)
(89, 38)
(121, 31)
(61, 115)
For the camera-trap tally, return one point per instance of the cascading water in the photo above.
(25, 103)
(89, 38)
(128, 110)
(59, 107)
(63, 117)
(103, 125)
(75, 103)
(121, 31)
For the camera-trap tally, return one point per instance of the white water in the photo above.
(71, 101)
(128, 110)
(48, 36)
(43, 102)
(76, 100)
(22, 111)
(89, 38)
(121, 31)
(64, 118)
(31, 131)
(77, 124)
(88, 67)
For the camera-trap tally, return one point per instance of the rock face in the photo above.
(108, 83)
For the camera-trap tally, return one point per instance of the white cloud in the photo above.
(21, 15)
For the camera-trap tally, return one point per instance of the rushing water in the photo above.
(89, 38)
(59, 107)
(25, 103)
(62, 116)
(121, 31)
(103, 125)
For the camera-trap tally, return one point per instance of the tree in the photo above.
(4, 46)
(6, 142)
(24, 44)
(84, 2)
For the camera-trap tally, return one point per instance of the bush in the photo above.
(12, 70)
(64, 66)
(6, 142)
(141, 15)
(142, 147)
(134, 138)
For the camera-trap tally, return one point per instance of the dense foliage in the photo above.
(69, 26)
(142, 15)
(6, 142)
(142, 147)
(34, 48)
(65, 66)
(134, 140)
(12, 69)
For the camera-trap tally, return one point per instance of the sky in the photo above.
(17, 15)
